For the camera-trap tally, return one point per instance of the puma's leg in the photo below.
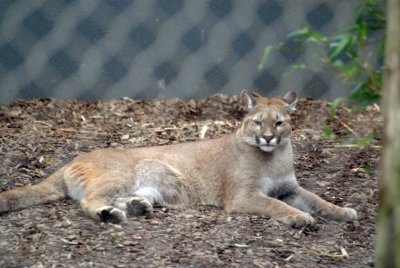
(95, 187)
(296, 219)
(311, 203)
(158, 182)
(100, 211)
(134, 205)
(118, 210)
(260, 204)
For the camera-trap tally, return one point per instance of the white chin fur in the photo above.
(267, 148)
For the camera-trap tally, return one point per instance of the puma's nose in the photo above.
(268, 138)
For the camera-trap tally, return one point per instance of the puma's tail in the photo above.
(51, 189)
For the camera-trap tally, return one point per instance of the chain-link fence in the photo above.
(102, 49)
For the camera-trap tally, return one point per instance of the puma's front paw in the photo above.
(138, 206)
(349, 214)
(297, 220)
(111, 214)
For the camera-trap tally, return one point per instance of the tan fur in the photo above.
(248, 171)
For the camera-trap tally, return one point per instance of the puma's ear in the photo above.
(247, 100)
(291, 99)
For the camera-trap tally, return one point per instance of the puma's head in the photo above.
(267, 124)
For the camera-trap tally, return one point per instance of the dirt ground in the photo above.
(335, 162)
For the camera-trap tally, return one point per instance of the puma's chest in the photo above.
(277, 186)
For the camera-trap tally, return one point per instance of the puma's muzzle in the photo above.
(268, 140)
(267, 143)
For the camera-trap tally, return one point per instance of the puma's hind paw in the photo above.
(111, 214)
(297, 220)
(138, 206)
(349, 214)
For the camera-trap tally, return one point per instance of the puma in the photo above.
(248, 171)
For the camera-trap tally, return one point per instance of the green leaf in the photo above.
(341, 45)
(315, 37)
(339, 64)
(333, 106)
(368, 170)
(302, 33)
(296, 67)
(263, 61)
(381, 49)
(372, 2)
(364, 141)
(328, 132)
(362, 30)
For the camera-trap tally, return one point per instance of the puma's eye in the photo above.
(278, 123)
(258, 122)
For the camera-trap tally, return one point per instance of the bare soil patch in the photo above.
(39, 136)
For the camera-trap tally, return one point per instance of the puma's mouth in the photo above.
(267, 144)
